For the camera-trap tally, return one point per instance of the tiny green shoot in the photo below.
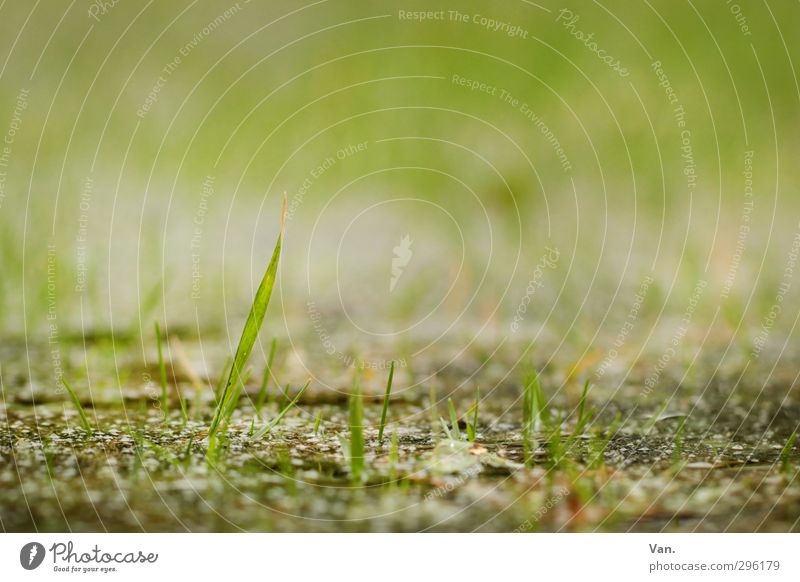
(274, 422)
(385, 409)
(786, 453)
(162, 373)
(317, 421)
(456, 432)
(356, 424)
(77, 403)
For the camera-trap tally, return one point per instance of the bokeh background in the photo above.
(148, 146)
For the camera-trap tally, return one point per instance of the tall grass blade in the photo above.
(162, 373)
(385, 410)
(251, 328)
(356, 431)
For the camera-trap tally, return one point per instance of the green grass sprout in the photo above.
(651, 422)
(274, 422)
(317, 421)
(786, 453)
(385, 409)
(77, 403)
(251, 329)
(356, 425)
(162, 373)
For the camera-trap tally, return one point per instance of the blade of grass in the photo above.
(272, 424)
(234, 398)
(251, 327)
(148, 305)
(651, 422)
(262, 393)
(356, 423)
(786, 453)
(584, 416)
(386, 404)
(453, 419)
(530, 412)
(447, 432)
(317, 422)
(162, 373)
(77, 403)
(222, 378)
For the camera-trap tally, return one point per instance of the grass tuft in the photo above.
(317, 421)
(353, 448)
(534, 411)
(451, 409)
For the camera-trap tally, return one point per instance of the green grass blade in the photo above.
(386, 404)
(584, 416)
(77, 403)
(651, 422)
(268, 428)
(262, 393)
(317, 421)
(251, 328)
(162, 373)
(446, 429)
(453, 419)
(356, 431)
(786, 453)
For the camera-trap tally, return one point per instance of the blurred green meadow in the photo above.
(603, 192)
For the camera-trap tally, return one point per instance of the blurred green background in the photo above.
(152, 143)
